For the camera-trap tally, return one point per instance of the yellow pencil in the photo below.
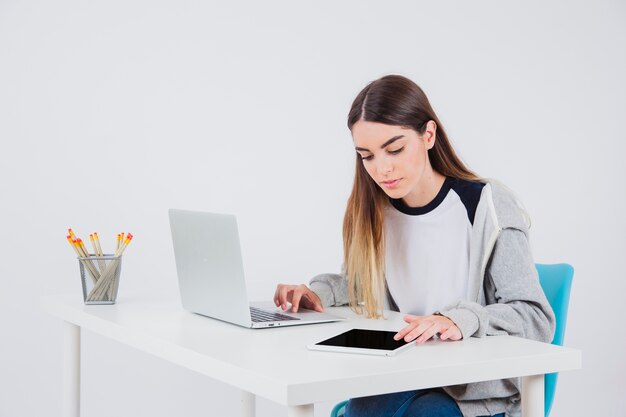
(121, 249)
(69, 239)
(98, 247)
(107, 283)
(83, 247)
(93, 243)
(99, 253)
(80, 249)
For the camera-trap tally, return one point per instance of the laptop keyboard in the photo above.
(259, 315)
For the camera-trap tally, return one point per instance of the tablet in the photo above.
(363, 341)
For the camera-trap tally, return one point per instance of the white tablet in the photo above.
(367, 342)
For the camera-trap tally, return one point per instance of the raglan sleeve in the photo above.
(517, 305)
(332, 289)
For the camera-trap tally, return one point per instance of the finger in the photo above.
(284, 296)
(447, 331)
(276, 295)
(445, 335)
(403, 331)
(406, 330)
(295, 299)
(413, 322)
(428, 333)
(418, 331)
(409, 318)
(452, 333)
(314, 301)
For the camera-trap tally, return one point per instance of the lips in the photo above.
(391, 184)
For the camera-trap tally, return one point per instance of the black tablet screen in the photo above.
(365, 339)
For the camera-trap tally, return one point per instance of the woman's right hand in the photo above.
(297, 295)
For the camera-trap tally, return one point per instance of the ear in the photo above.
(430, 134)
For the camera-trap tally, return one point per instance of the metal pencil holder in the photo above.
(100, 276)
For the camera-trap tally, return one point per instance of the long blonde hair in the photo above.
(393, 100)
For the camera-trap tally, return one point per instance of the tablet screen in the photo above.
(365, 339)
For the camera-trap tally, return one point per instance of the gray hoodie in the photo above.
(503, 297)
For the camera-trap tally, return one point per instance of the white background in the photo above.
(113, 111)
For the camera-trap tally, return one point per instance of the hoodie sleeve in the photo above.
(516, 303)
(332, 289)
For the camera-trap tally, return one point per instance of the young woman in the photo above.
(426, 236)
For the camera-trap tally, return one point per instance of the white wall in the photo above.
(113, 111)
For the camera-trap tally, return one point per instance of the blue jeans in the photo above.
(420, 403)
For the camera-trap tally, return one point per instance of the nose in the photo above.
(384, 168)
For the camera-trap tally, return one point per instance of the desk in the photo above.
(253, 360)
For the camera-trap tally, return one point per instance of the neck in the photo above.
(426, 190)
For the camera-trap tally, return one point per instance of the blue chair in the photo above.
(556, 281)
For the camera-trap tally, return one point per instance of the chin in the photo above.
(395, 194)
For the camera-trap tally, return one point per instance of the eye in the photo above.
(367, 158)
(397, 151)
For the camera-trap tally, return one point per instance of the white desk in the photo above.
(255, 360)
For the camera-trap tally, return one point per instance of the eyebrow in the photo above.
(389, 142)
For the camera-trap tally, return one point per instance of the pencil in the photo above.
(98, 247)
(122, 248)
(82, 253)
(83, 247)
(107, 282)
(99, 253)
(69, 239)
(95, 251)
(104, 283)
(93, 243)
(116, 282)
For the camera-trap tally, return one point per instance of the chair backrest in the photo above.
(556, 281)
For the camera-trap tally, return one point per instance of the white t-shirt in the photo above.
(427, 248)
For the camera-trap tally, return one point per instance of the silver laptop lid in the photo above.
(209, 265)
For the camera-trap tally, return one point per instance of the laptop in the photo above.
(210, 274)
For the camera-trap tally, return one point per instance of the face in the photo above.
(396, 158)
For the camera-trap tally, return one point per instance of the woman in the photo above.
(426, 236)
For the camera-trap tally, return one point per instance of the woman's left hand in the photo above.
(422, 328)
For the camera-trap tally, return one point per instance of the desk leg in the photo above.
(533, 396)
(248, 401)
(71, 370)
(300, 411)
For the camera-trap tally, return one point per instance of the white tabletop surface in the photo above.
(274, 363)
